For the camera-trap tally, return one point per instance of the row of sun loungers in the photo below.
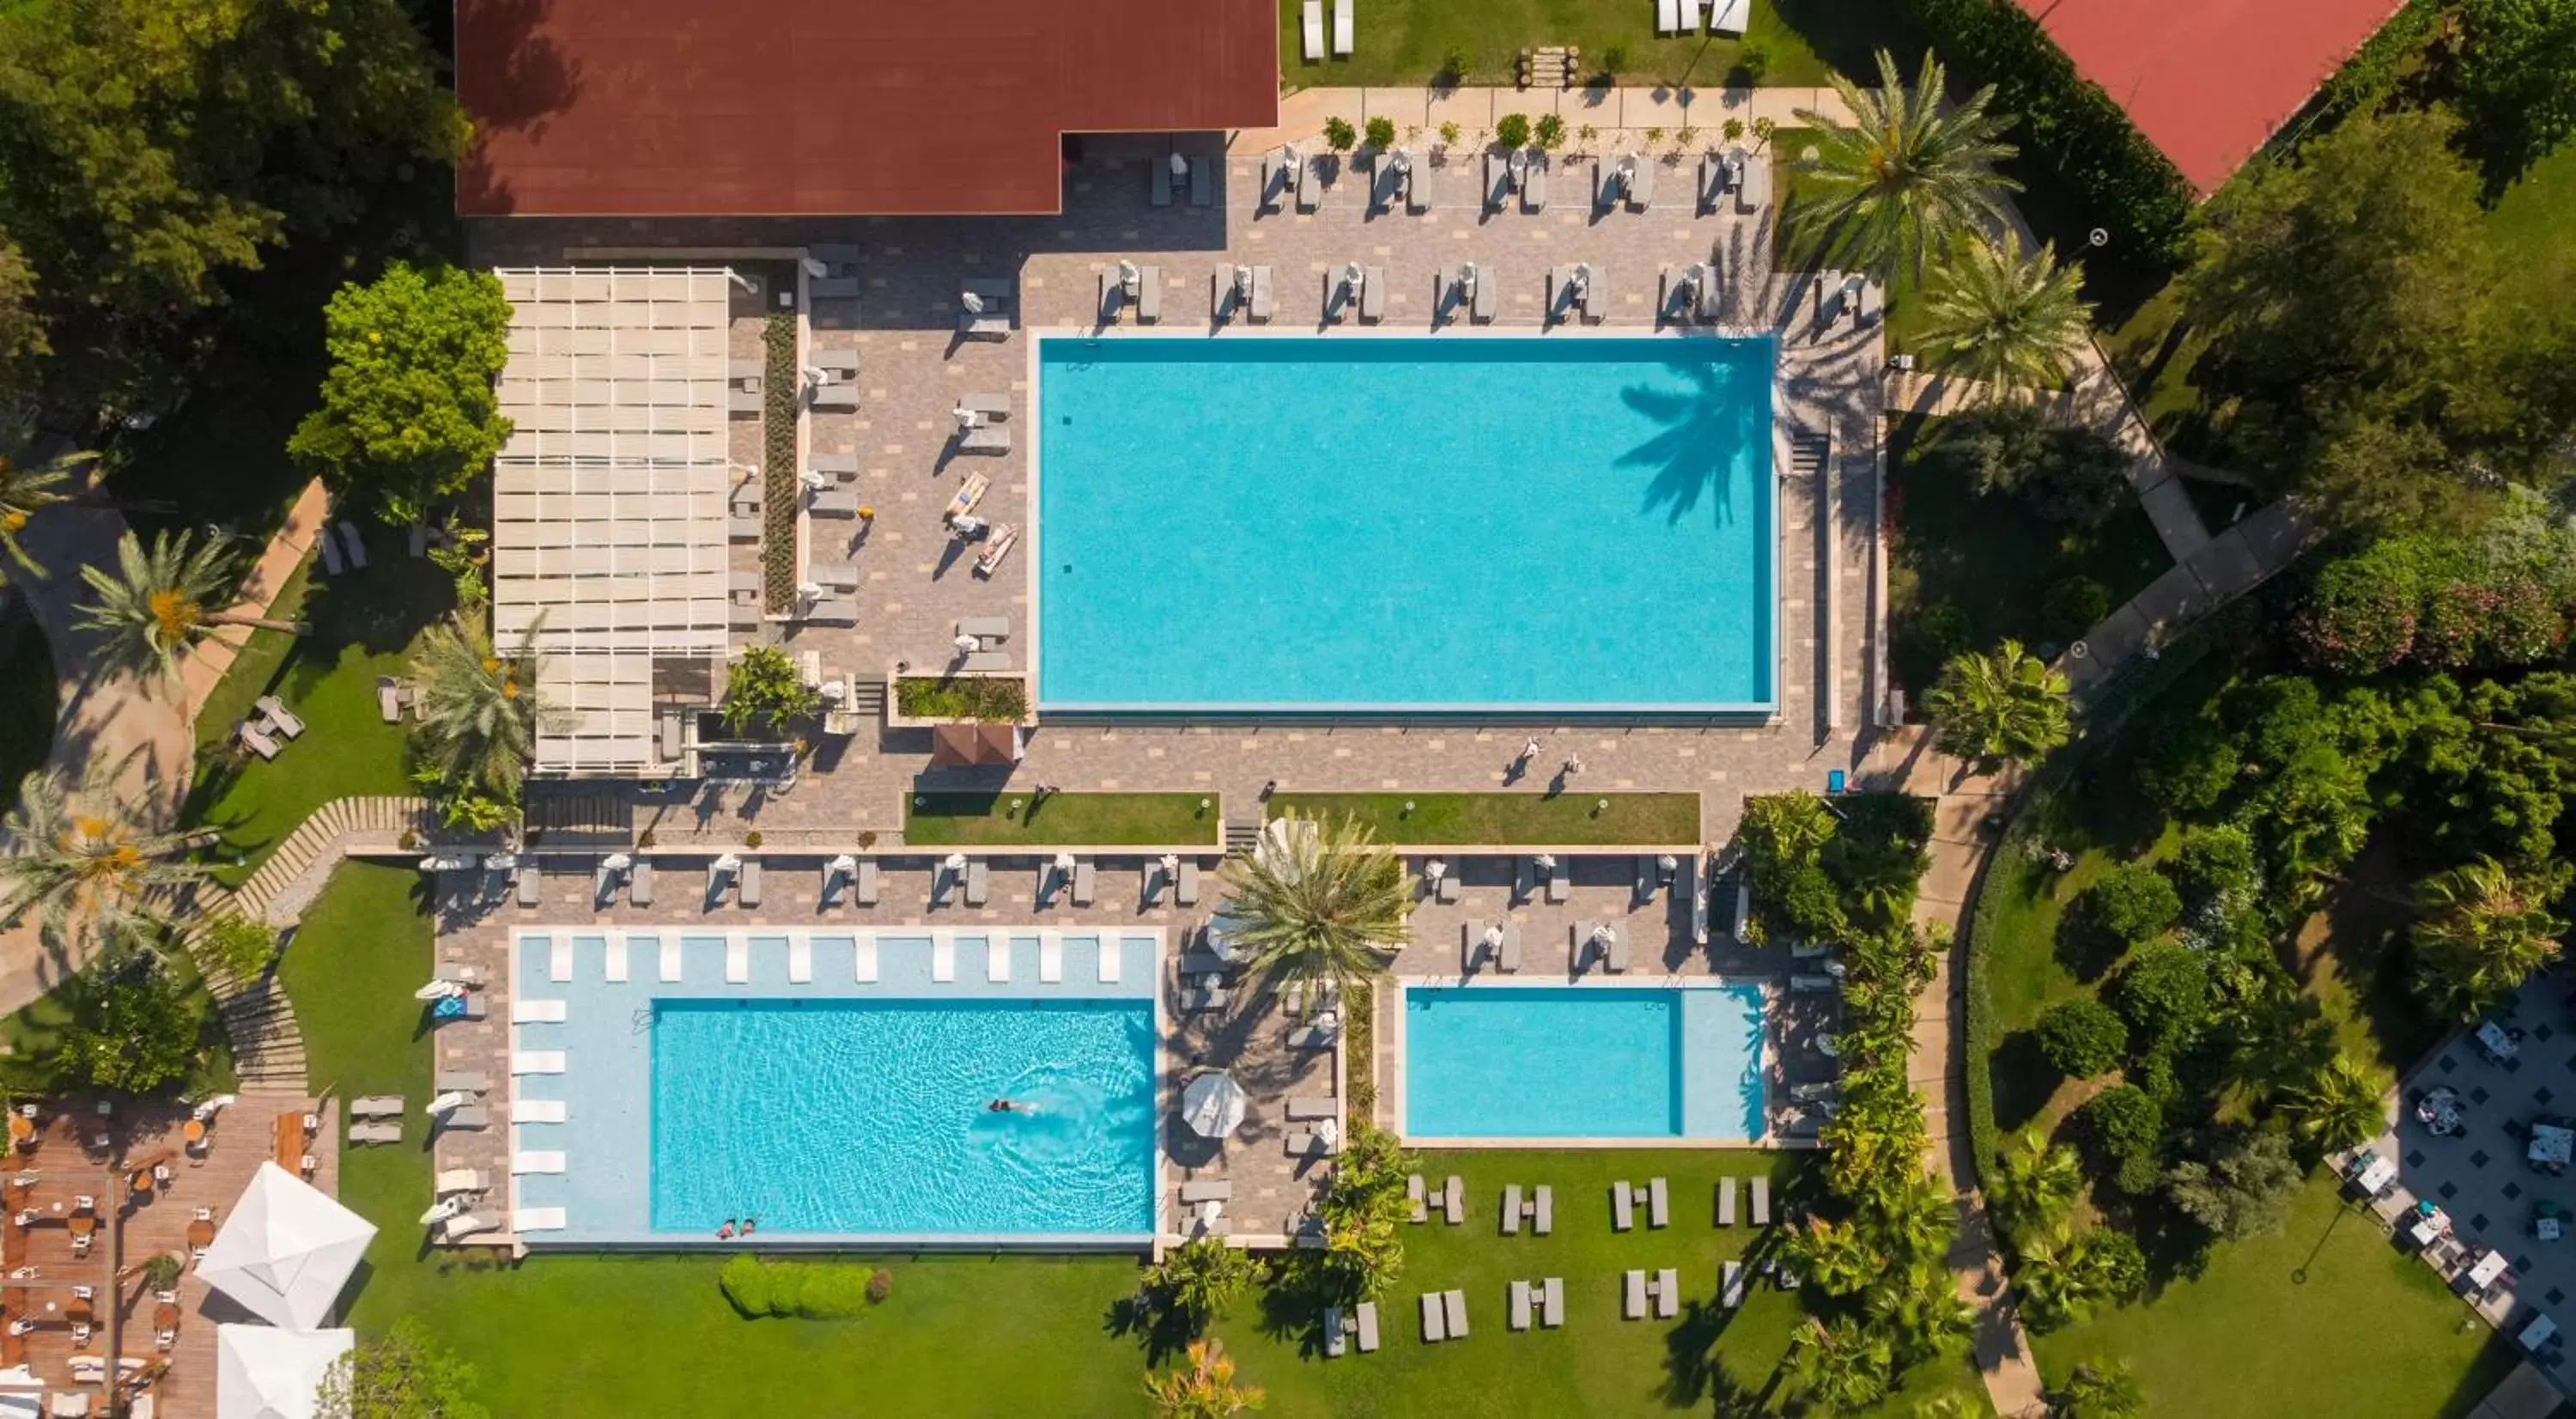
(1444, 1316)
(1516, 171)
(1539, 1209)
(1761, 1202)
(1682, 17)
(1196, 175)
(1545, 1297)
(1311, 26)
(1129, 284)
(1625, 1200)
(1664, 1288)
(1450, 1201)
(985, 306)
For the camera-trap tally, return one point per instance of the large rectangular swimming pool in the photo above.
(1506, 1062)
(1433, 524)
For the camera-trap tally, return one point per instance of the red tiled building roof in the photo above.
(833, 107)
(2207, 81)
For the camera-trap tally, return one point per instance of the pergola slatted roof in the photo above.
(609, 516)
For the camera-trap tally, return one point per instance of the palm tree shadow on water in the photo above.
(1705, 427)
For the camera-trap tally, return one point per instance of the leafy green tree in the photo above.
(1914, 1220)
(409, 415)
(90, 860)
(1512, 130)
(2517, 78)
(2163, 992)
(2482, 930)
(2216, 871)
(2010, 322)
(131, 1030)
(2133, 903)
(2097, 1391)
(1364, 1211)
(157, 604)
(1339, 135)
(2082, 1037)
(1888, 191)
(1318, 903)
(478, 711)
(28, 489)
(1195, 1282)
(1996, 709)
(2362, 347)
(2126, 1128)
(22, 331)
(2189, 766)
(1842, 1365)
(1203, 1388)
(401, 1374)
(2243, 1190)
(2068, 475)
(235, 946)
(2338, 1107)
(1381, 132)
(2034, 1184)
(763, 687)
(2062, 1278)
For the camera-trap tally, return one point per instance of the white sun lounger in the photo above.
(1641, 190)
(1668, 17)
(1520, 1305)
(800, 960)
(1761, 1201)
(461, 1081)
(1498, 181)
(1552, 1303)
(1112, 953)
(537, 1219)
(943, 957)
(1543, 1210)
(997, 959)
(747, 892)
(1729, 16)
(1312, 24)
(1435, 1312)
(546, 1161)
(461, 1180)
(737, 959)
(461, 1226)
(537, 1061)
(1731, 1294)
(279, 715)
(1051, 957)
(540, 1111)
(979, 882)
(1659, 1211)
(1511, 953)
(1623, 1201)
(1690, 17)
(537, 1012)
(559, 958)
(1668, 1293)
(1512, 1214)
(1455, 1196)
(1632, 1304)
(863, 958)
(1726, 1202)
(1364, 1326)
(672, 959)
(1456, 1303)
(639, 885)
(614, 964)
(1342, 27)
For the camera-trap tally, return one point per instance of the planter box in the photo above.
(897, 719)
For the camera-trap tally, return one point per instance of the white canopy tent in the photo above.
(264, 1373)
(286, 1250)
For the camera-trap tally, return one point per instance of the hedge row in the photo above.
(801, 1290)
(780, 491)
(2067, 123)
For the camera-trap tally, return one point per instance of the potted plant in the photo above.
(1512, 130)
(1548, 133)
(1381, 133)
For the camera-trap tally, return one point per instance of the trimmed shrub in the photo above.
(2215, 870)
(2190, 765)
(1811, 905)
(2163, 992)
(2125, 1128)
(2082, 1037)
(2133, 903)
(800, 1290)
(1512, 130)
(2071, 607)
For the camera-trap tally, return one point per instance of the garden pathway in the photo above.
(1964, 803)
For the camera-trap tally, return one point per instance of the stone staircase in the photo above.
(336, 830)
(1807, 454)
(867, 697)
(1241, 836)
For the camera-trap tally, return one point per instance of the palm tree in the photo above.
(2060, 1279)
(89, 859)
(1203, 1389)
(2484, 932)
(157, 604)
(478, 711)
(1891, 189)
(1843, 1366)
(2005, 321)
(1195, 1281)
(1920, 1311)
(2338, 1107)
(2001, 708)
(1318, 903)
(2033, 1183)
(1916, 1219)
(1833, 1256)
(1953, 1405)
(26, 491)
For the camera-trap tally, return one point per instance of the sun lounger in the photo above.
(389, 699)
(375, 1133)
(1413, 1195)
(1596, 307)
(1471, 944)
(1668, 17)
(1314, 1037)
(1366, 1324)
(1308, 1145)
(332, 563)
(864, 890)
(1511, 1209)
(1456, 1196)
(376, 1106)
(1726, 1202)
(279, 716)
(1082, 882)
(970, 491)
(1313, 1107)
(537, 1061)
(1435, 1312)
(537, 1012)
(1761, 1201)
(1203, 999)
(1185, 891)
(539, 1161)
(1207, 1190)
(1623, 1201)
(1659, 1211)
(1160, 189)
(1618, 948)
(461, 1226)
(1520, 1305)
(1275, 176)
(1543, 1210)
(1804, 984)
(1511, 951)
(1456, 1302)
(979, 882)
(1641, 186)
(353, 544)
(639, 884)
(1149, 304)
(1202, 182)
(461, 1081)
(1534, 185)
(1335, 1342)
(1005, 537)
(1311, 21)
(1731, 1292)
(255, 739)
(460, 1180)
(1729, 16)
(1632, 1291)
(1754, 193)
(1552, 1302)
(1342, 27)
(475, 1009)
(1498, 182)
(1560, 877)
(749, 893)
(471, 1117)
(1668, 1293)
(540, 1111)
(537, 1219)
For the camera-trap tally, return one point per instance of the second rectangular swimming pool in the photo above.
(1507, 1062)
(1398, 523)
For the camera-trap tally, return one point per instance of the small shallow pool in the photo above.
(1493, 1062)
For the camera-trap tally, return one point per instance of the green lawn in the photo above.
(611, 1335)
(1019, 818)
(1410, 42)
(1571, 819)
(26, 704)
(364, 624)
(2326, 1318)
(1994, 558)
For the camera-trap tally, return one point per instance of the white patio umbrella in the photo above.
(262, 1373)
(286, 1249)
(1213, 1105)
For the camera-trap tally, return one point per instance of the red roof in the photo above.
(2209, 80)
(833, 107)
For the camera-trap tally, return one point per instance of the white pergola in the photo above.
(608, 502)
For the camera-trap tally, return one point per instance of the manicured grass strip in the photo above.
(1570, 819)
(1407, 42)
(364, 624)
(1022, 818)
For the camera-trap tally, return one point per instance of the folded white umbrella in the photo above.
(452, 1099)
(1213, 1105)
(439, 990)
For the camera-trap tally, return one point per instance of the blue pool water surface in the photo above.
(1498, 1062)
(1406, 523)
(823, 1116)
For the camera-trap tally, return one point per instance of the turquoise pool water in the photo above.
(1406, 523)
(850, 1116)
(1497, 1062)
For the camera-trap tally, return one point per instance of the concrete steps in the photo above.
(333, 831)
